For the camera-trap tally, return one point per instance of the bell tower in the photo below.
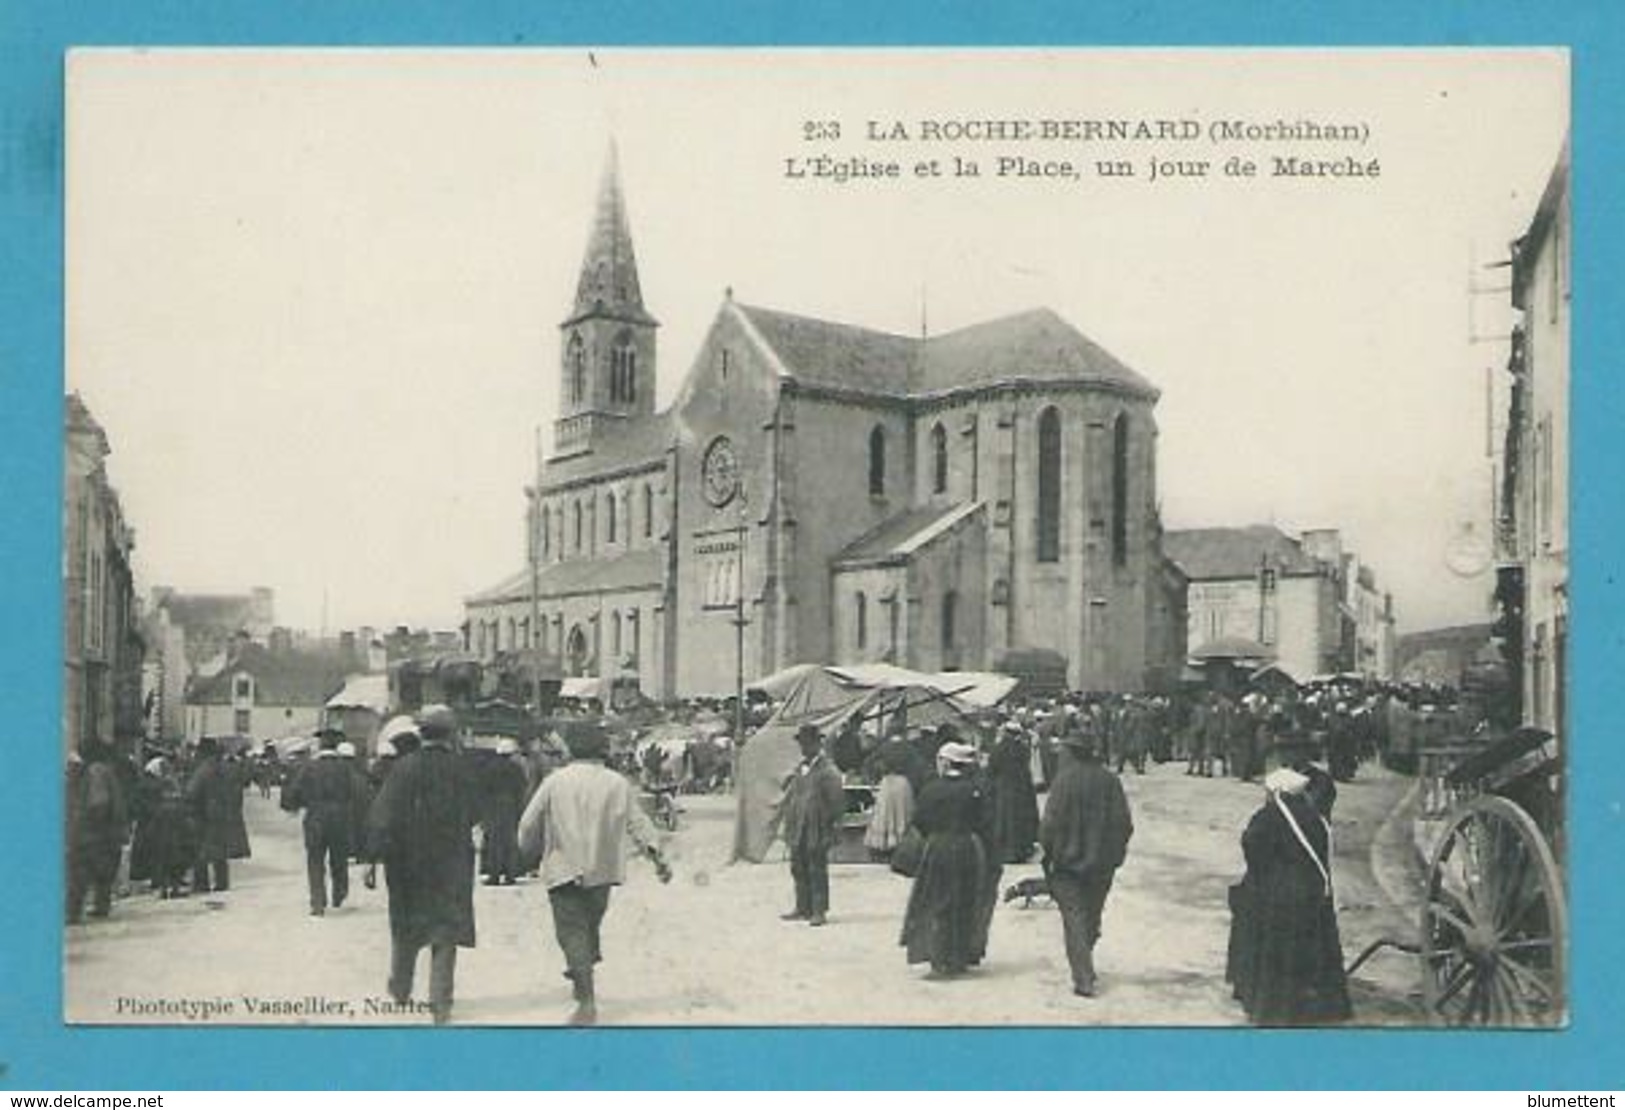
(607, 343)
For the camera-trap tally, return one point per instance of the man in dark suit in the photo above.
(810, 816)
(1084, 833)
(325, 789)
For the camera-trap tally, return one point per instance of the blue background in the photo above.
(38, 1051)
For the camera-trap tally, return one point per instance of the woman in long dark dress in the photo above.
(942, 925)
(1286, 959)
(1015, 798)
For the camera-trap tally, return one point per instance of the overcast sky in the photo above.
(313, 297)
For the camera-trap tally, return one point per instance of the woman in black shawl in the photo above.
(1286, 959)
(1015, 799)
(942, 925)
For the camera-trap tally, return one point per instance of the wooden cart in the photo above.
(1494, 921)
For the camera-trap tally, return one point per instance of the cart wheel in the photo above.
(1494, 926)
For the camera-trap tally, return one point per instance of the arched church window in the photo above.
(576, 506)
(1049, 486)
(576, 360)
(611, 514)
(862, 603)
(877, 461)
(939, 459)
(623, 369)
(1120, 490)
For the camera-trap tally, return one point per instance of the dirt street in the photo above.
(709, 948)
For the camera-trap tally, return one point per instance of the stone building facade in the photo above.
(1533, 535)
(103, 649)
(848, 494)
(1306, 601)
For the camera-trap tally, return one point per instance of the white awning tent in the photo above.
(363, 691)
(977, 689)
(584, 687)
(830, 698)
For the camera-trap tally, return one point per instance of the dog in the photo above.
(1028, 890)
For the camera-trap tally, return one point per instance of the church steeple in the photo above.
(608, 340)
(608, 285)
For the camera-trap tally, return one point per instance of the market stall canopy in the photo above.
(829, 698)
(1232, 649)
(363, 691)
(584, 687)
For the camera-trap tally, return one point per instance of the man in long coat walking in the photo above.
(97, 827)
(213, 796)
(1084, 833)
(421, 827)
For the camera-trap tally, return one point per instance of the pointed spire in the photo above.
(609, 271)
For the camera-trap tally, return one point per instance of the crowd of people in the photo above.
(954, 805)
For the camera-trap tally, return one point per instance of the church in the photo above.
(824, 492)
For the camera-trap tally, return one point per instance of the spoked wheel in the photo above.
(1495, 925)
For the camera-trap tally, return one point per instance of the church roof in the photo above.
(629, 570)
(841, 356)
(1206, 554)
(897, 538)
(1037, 345)
(609, 285)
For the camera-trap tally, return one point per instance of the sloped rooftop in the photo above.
(1220, 553)
(626, 571)
(900, 536)
(298, 676)
(1037, 345)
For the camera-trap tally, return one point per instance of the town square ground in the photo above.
(709, 949)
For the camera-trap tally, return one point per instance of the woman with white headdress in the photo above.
(943, 924)
(1286, 959)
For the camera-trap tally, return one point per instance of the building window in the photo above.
(648, 511)
(242, 722)
(950, 613)
(1120, 490)
(610, 514)
(242, 688)
(615, 633)
(513, 633)
(576, 360)
(1049, 486)
(863, 621)
(577, 507)
(877, 462)
(939, 459)
(623, 369)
